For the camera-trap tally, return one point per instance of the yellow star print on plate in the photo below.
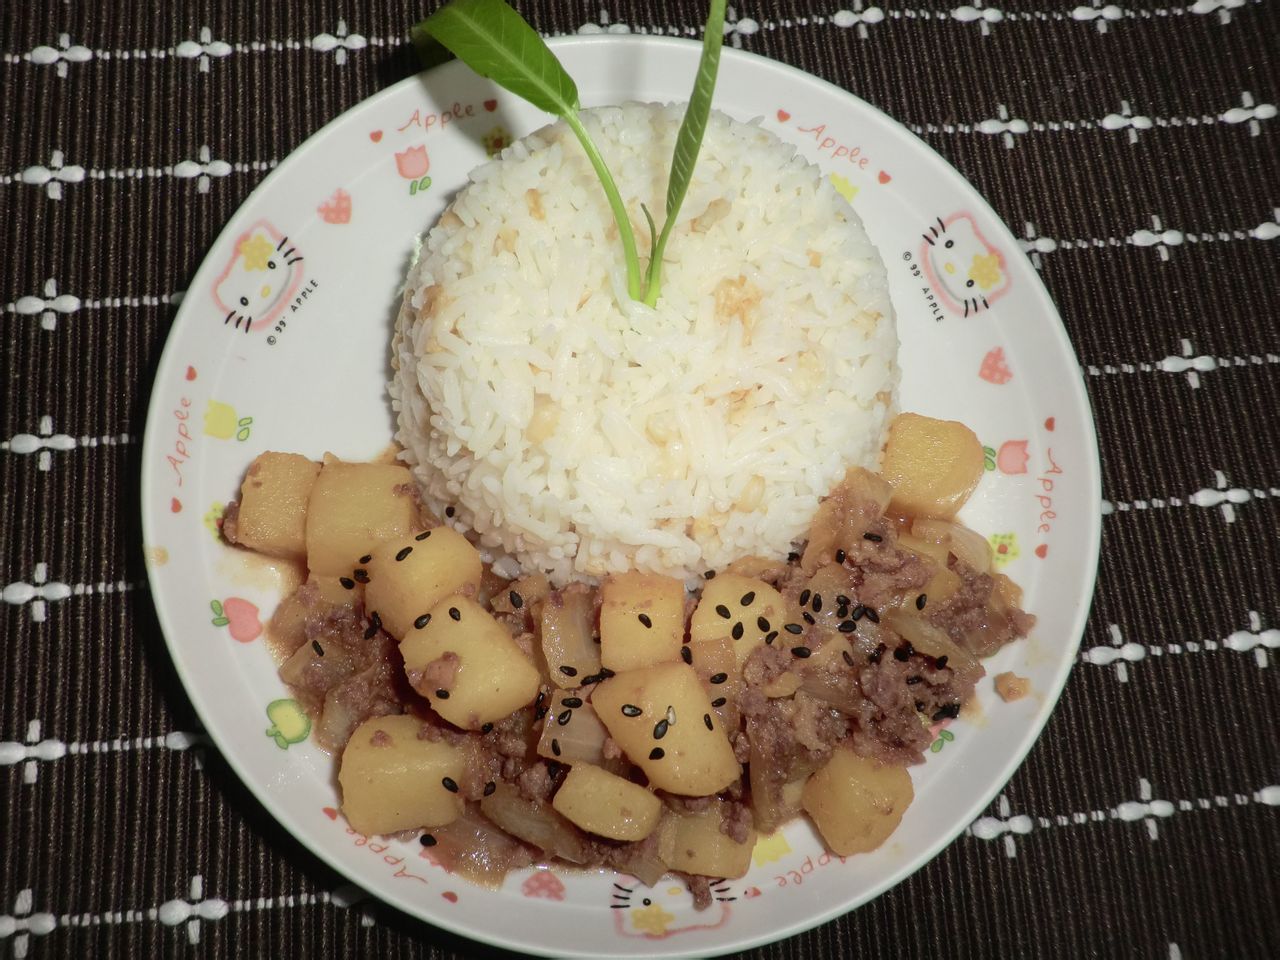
(256, 251)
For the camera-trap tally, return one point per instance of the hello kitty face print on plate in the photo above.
(967, 270)
(261, 277)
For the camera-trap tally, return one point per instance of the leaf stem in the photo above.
(615, 202)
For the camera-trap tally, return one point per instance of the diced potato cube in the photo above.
(641, 620)
(568, 636)
(273, 504)
(410, 575)
(466, 663)
(599, 802)
(572, 732)
(932, 465)
(392, 780)
(745, 610)
(717, 667)
(353, 508)
(663, 720)
(856, 802)
(693, 843)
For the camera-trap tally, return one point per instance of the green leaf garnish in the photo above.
(496, 42)
(689, 140)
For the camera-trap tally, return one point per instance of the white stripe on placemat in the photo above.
(190, 911)
(41, 590)
(1221, 495)
(1147, 809)
(1120, 653)
(37, 749)
(1189, 362)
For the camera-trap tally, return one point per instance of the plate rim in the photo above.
(288, 818)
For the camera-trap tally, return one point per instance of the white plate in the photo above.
(308, 376)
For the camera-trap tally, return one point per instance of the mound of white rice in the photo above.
(579, 432)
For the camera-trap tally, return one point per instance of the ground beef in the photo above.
(610, 749)
(741, 747)
(699, 888)
(685, 805)
(765, 664)
(970, 619)
(439, 674)
(888, 572)
(736, 822)
(536, 783)
(231, 522)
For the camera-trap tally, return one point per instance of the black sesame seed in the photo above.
(848, 657)
(792, 557)
(840, 556)
(771, 636)
(486, 728)
(817, 603)
(719, 677)
(423, 535)
(802, 652)
(489, 788)
(366, 558)
(872, 615)
(375, 619)
(947, 712)
(919, 706)
(719, 702)
(455, 613)
(542, 695)
(403, 553)
(912, 681)
(555, 746)
(605, 673)
(539, 713)
(941, 662)
(517, 601)
(442, 694)
(370, 631)
(564, 717)
(748, 598)
(629, 710)
(427, 840)
(449, 784)
(847, 626)
(422, 621)
(571, 702)
(361, 575)
(920, 601)
(706, 719)
(449, 511)
(873, 537)
(904, 652)
(738, 630)
(315, 645)
(686, 655)
(568, 671)
(710, 575)
(808, 618)
(347, 583)
(723, 611)
(858, 612)
(794, 628)
(842, 600)
(660, 729)
(644, 619)
(657, 753)
(875, 655)
(804, 597)
(763, 624)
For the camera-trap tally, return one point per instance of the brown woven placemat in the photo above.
(1133, 147)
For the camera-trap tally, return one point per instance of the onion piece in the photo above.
(965, 544)
(568, 635)
(535, 823)
(477, 849)
(580, 739)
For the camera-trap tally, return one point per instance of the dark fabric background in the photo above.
(93, 842)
